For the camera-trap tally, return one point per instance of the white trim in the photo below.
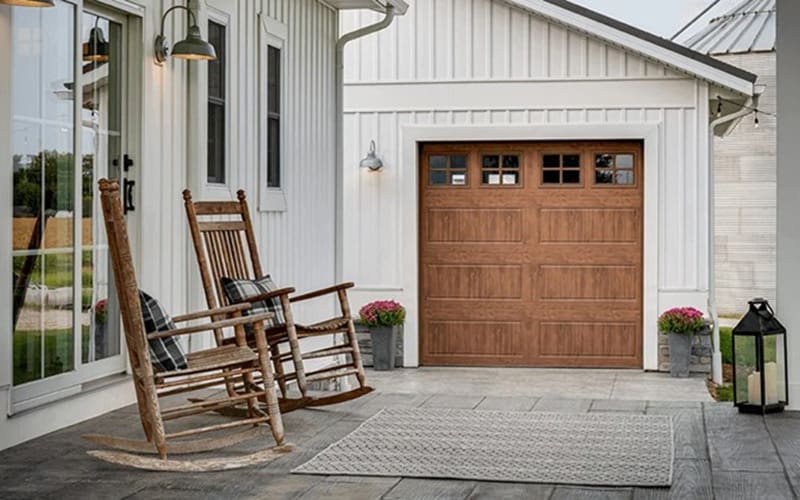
(130, 8)
(636, 44)
(412, 135)
(6, 193)
(272, 33)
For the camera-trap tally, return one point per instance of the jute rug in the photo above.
(535, 447)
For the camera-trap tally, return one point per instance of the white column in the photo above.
(788, 256)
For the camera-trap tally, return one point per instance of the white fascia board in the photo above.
(636, 44)
(400, 6)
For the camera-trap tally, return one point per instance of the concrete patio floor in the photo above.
(719, 453)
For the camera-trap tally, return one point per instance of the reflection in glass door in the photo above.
(65, 316)
(101, 117)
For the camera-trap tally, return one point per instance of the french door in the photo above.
(70, 100)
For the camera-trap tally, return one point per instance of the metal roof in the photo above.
(655, 39)
(749, 27)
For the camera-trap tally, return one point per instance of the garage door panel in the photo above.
(474, 281)
(484, 225)
(475, 338)
(588, 225)
(478, 310)
(587, 282)
(588, 339)
(587, 255)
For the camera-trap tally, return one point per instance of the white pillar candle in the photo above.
(771, 382)
(754, 388)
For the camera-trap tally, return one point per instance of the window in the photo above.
(561, 168)
(273, 117)
(447, 170)
(217, 74)
(499, 170)
(272, 91)
(613, 169)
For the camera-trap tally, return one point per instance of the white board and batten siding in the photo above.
(456, 69)
(168, 122)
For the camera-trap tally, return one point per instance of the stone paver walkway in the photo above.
(719, 453)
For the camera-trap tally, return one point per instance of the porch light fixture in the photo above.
(371, 161)
(29, 3)
(96, 48)
(193, 47)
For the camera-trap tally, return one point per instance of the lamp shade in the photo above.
(371, 161)
(96, 49)
(194, 47)
(29, 3)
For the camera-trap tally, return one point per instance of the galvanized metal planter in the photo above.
(384, 339)
(680, 350)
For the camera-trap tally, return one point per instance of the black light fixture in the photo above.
(193, 47)
(96, 48)
(760, 377)
(29, 3)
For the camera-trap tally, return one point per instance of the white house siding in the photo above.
(455, 63)
(745, 198)
(297, 245)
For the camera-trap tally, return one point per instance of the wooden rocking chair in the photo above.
(224, 244)
(229, 364)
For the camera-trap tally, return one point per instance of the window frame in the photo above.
(221, 18)
(83, 377)
(272, 33)
(561, 153)
(614, 185)
(502, 153)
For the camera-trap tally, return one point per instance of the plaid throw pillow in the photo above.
(165, 353)
(238, 291)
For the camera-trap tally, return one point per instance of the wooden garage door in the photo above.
(531, 254)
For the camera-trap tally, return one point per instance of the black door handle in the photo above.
(127, 195)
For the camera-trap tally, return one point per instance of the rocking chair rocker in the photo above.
(234, 363)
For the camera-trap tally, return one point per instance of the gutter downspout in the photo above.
(339, 198)
(716, 357)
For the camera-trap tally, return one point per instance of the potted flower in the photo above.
(384, 318)
(680, 323)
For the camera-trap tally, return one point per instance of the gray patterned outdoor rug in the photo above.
(536, 447)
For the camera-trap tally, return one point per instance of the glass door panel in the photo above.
(66, 327)
(43, 200)
(101, 115)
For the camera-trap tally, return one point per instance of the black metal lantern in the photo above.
(760, 378)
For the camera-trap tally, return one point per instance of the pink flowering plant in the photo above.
(383, 313)
(683, 320)
(101, 311)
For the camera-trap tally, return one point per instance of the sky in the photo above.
(662, 17)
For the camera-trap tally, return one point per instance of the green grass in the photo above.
(725, 393)
(58, 353)
(746, 353)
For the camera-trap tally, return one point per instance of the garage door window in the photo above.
(500, 170)
(448, 170)
(561, 168)
(614, 169)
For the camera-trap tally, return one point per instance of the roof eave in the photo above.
(647, 44)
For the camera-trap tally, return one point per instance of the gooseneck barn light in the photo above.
(371, 161)
(192, 47)
(96, 48)
(29, 3)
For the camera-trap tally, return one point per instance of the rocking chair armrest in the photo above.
(206, 327)
(220, 311)
(268, 295)
(322, 291)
